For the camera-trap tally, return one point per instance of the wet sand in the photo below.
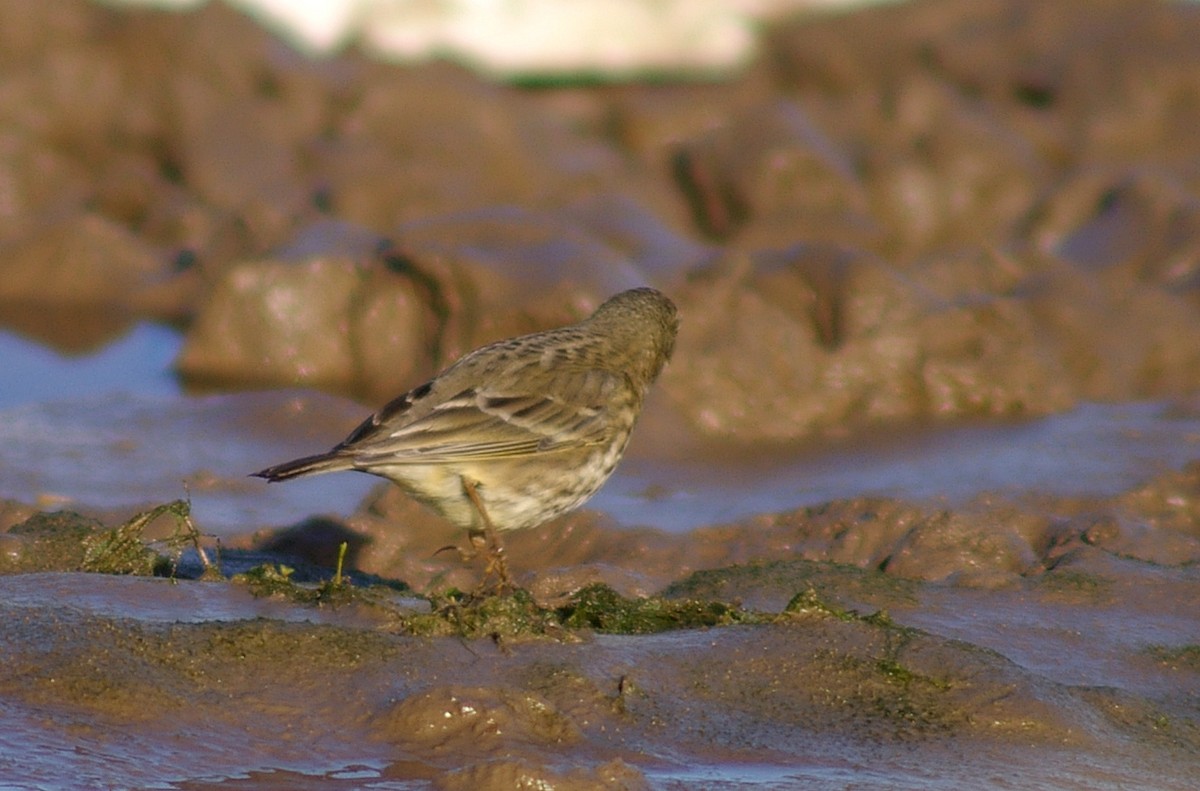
(916, 504)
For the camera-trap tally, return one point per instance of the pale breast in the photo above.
(518, 493)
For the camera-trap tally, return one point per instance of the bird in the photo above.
(518, 431)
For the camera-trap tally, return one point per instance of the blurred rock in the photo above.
(769, 177)
(90, 261)
(943, 172)
(928, 210)
(844, 339)
(323, 321)
(1144, 223)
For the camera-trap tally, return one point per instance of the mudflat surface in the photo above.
(915, 505)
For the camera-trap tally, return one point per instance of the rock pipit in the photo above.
(519, 431)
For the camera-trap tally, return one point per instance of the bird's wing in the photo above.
(494, 421)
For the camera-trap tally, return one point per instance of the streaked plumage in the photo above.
(536, 424)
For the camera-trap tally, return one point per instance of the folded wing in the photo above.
(494, 422)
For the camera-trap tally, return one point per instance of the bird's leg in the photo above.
(496, 565)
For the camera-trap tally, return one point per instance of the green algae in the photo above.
(809, 602)
(121, 551)
(602, 609)
(597, 608)
(68, 541)
(281, 581)
(507, 615)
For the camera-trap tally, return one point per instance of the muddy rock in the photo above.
(769, 177)
(826, 338)
(405, 540)
(1140, 220)
(926, 235)
(945, 173)
(1170, 501)
(469, 151)
(380, 319)
(321, 321)
(833, 657)
(449, 719)
(86, 259)
(972, 550)
(1136, 539)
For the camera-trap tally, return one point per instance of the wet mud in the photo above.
(915, 505)
(803, 668)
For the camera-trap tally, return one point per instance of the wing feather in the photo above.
(503, 420)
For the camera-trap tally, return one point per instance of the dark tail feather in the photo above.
(309, 465)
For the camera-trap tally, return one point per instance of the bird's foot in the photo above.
(495, 581)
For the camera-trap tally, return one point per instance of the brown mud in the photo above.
(798, 668)
(916, 504)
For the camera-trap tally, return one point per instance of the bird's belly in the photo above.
(519, 495)
(436, 485)
(515, 493)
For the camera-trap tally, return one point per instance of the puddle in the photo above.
(148, 599)
(139, 361)
(120, 451)
(1096, 449)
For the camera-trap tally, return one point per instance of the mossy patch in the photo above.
(885, 684)
(809, 602)
(66, 541)
(50, 542)
(596, 608)
(602, 609)
(896, 693)
(121, 551)
(512, 615)
(1074, 585)
(276, 579)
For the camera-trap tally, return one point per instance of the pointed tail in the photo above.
(309, 465)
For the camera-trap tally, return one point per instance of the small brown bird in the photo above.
(519, 431)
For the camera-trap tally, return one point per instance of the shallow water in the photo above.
(129, 436)
(139, 361)
(1095, 449)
